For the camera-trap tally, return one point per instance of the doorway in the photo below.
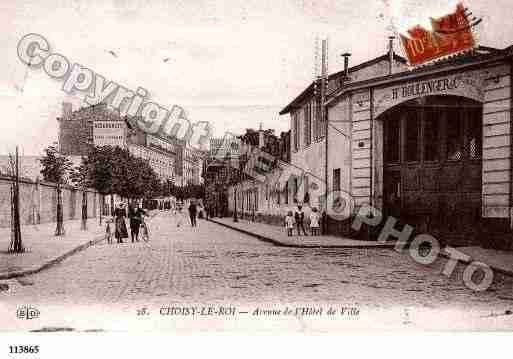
(432, 160)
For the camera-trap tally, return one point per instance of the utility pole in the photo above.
(324, 117)
(235, 217)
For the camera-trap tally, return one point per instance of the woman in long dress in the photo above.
(121, 231)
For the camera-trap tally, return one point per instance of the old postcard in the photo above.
(243, 166)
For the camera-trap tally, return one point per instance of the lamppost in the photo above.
(235, 219)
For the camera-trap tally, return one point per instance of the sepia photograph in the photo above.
(287, 166)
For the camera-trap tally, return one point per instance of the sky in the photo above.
(233, 63)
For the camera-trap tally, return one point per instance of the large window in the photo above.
(295, 130)
(296, 189)
(433, 132)
(313, 111)
(336, 179)
(308, 124)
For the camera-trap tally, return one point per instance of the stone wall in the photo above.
(38, 202)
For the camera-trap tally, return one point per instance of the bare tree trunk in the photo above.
(84, 210)
(16, 245)
(59, 230)
(102, 200)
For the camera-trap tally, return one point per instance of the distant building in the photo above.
(90, 126)
(192, 166)
(224, 180)
(163, 154)
(99, 126)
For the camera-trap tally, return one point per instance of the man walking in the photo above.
(192, 213)
(135, 214)
(300, 218)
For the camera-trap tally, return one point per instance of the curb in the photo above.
(274, 242)
(505, 272)
(281, 244)
(52, 262)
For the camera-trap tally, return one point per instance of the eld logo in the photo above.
(27, 312)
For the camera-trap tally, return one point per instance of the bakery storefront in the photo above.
(437, 144)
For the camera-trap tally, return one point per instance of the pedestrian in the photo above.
(192, 213)
(200, 211)
(135, 214)
(300, 219)
(289, 223)
(179, 212)
(314, 222)
(121, 231)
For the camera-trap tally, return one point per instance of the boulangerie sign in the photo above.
(466, 84)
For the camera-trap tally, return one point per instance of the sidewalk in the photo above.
(278, 236)
(43, 249)
(499, 261)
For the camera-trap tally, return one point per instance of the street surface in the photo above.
(214, 266)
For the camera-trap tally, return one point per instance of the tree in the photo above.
(79, 177)
(99, 163)
(55, 169)
(133, 177)
(16, 245)
(114, 170)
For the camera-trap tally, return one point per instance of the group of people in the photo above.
(135, 215)
(193, 209)
(298, 218)
(136, 218)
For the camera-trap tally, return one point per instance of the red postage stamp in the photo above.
(450, 34)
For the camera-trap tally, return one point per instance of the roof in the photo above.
(309, 90)
(474, 58)
(481, 53)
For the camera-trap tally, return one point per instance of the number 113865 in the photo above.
(23, 349)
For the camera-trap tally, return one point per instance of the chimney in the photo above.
(261, 142)
(346, 64)
(391, 55)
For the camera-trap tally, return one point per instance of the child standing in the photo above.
(314, 222)
(289, 223)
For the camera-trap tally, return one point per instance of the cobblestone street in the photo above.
(211, 265)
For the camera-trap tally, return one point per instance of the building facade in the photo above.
(99, 126)
(247, 196)
(429, 146)
(192, 166)
(432, 146)
(301, 178)
(90, 126)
